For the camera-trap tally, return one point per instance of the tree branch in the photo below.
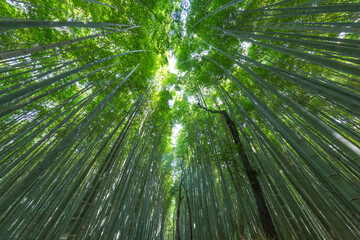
(198, 105)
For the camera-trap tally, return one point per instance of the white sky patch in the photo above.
(191, 99)
(199, 55)
(204, 53)
(11, 2)
(342, 35)
(175, 133)
(185, 6)
(245, 46)
(170, 87)
(182, 74)
(194, 54)
(171, 103)
(180, 93)
(79, 85)
(172, 62)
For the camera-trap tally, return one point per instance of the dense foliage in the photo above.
(267, 96)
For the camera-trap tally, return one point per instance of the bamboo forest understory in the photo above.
(180, 120)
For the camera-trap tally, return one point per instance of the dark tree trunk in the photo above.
(251, 173)
(189, 210)
(178, 214)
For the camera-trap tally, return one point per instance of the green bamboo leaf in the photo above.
(104, 4)
(227, 5)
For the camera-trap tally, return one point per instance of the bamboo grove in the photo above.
(267, 94)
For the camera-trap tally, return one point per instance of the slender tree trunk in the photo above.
(251, 173)
(189, 210)
(25, 51)
(173, 228)
(178, 213)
